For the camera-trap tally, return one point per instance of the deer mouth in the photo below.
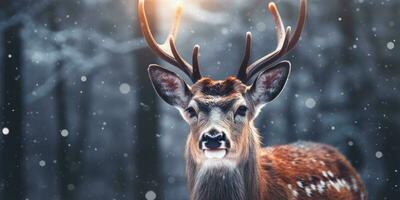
(214, 145)
(215, 153)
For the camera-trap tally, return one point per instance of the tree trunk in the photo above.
(12, 149)
(63, 162)
(77, 153)
(348, 29)
(146, 148)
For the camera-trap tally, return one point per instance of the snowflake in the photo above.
(64, 132)
(5, 131)
(390, 45)
(124, 88)
(150, 195)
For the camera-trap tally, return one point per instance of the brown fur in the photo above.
(245, 171)
(302, 170)
(209, 87)
(309, 163)
(268, 172)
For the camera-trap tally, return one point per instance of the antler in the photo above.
(167, 51)
(284, 44)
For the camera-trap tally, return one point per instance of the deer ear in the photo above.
(269, 83)
(169, 86)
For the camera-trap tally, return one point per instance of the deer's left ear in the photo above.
(269, 84)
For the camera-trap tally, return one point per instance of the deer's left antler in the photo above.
(284, 43)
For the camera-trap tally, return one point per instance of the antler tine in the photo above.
(196, 67)
(277, 19)
(285, 44)
(181, 63)
(167, 51)
(177, 20)
(272, 57)
(299, 26)
(281, 37)
(246, 57)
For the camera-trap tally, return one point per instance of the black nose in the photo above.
(213, 139)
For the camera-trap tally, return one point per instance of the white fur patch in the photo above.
(219, 153)
(216, 163)
(215, 121)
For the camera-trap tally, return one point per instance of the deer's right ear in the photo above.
(169, 86)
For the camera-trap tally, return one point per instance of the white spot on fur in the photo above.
(330, 174)
(346, 184)
(322, 183)
(294, 191)
(354, 183)
(308, 191)
(313, 187)
(321, 187)
(325, 174)
(300, 184)
(336, 185)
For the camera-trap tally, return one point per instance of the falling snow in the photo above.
(64, 132)
(124, 88)
(343, 90)
(379, 154)
(310, 103)
(71, 187)
(42, 163)
(83, 78)
(5, 131)
(350, 143)
(150, 195)
(390, 45)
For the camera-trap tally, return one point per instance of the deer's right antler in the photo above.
(167, 51)
(284, 43)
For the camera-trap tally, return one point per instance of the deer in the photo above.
(223, 153)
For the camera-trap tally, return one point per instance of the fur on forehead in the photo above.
(222, 88)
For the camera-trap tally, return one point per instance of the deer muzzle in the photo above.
(214, 144)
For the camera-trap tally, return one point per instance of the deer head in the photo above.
(220, 113)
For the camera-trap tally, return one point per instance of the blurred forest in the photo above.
(79, 119)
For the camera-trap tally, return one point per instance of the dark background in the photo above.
(84, 123)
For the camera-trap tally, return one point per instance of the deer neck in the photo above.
(225, 179)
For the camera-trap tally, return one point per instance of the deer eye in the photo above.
(191, 112)
(241, 111)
